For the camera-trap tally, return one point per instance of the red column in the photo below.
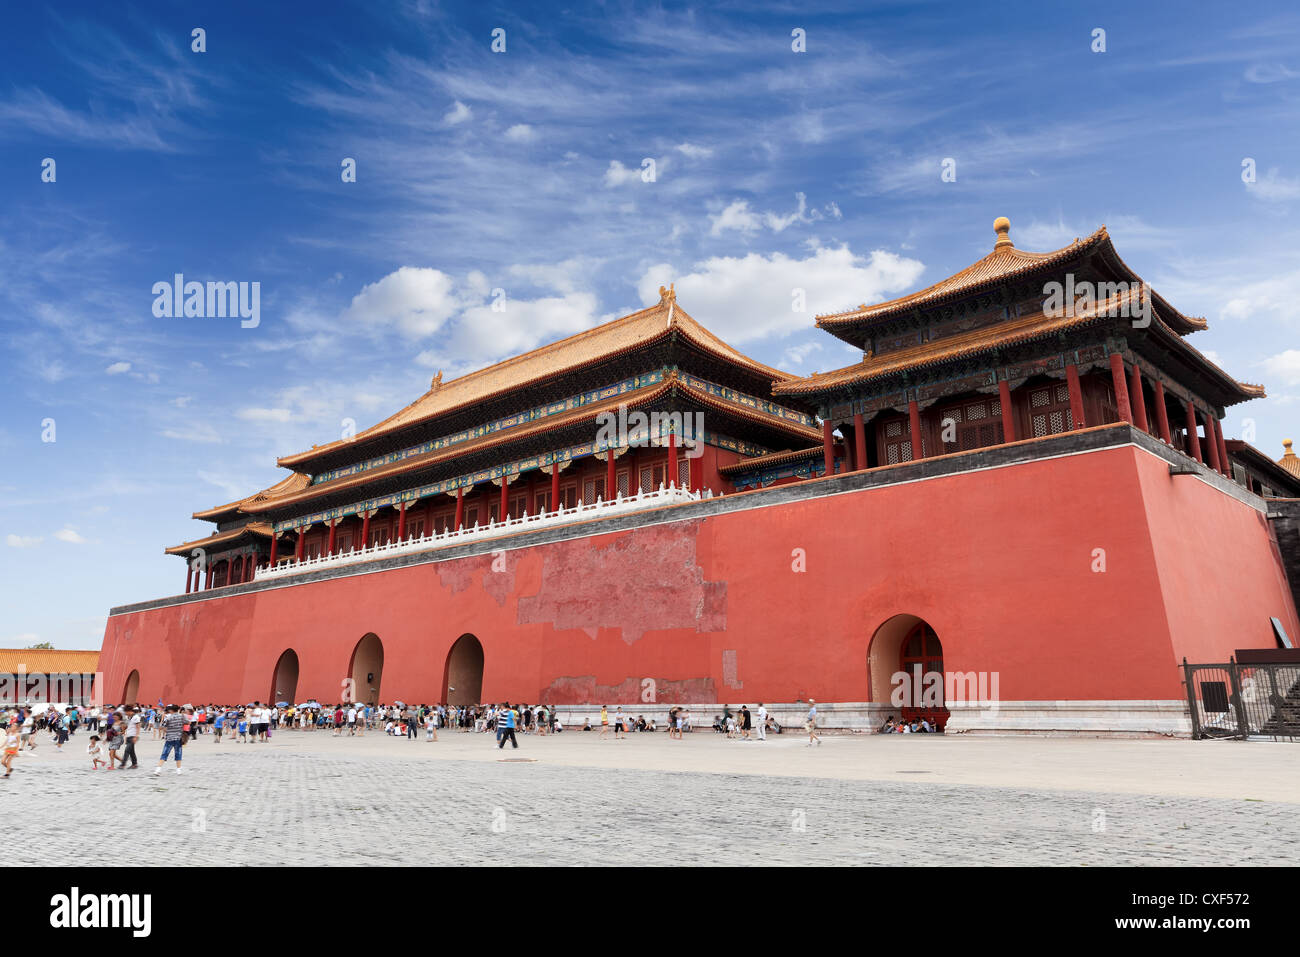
(365, 529)
(1211, 445)
(301, 547)
(633, 473)
(1138, 399)
(1008, 417)
(207, 577)
(914, 417)
(859, 442)
(504, 511)
(250, 567)
(334, 528)
(1193, 441)
(1076, 395)
(1162, 414)
(555, 486)
(671, 472)
(1121, 387)
(189, 573)
(460, 508)
(275, 541)
(828, 449)
(401, 523)
(695, 468)
(1223, 448)
(611, 478)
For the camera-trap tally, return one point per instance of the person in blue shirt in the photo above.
(506, 726)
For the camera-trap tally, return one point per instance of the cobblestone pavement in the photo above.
(308, 798)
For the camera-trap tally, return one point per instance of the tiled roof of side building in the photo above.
(989, 338)
(607, 340)
(290, 483)
(1003, 264)
(773, 458)
(48, 661)
(1289, 460)
(261, 529)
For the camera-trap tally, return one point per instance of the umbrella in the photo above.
(400, 704)
(282, 704)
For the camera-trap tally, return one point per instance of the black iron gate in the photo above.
(1241, 701)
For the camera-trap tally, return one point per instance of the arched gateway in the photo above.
(905, 664)
(367, 669)
(462, 682)
(284, 680)
(132, 688)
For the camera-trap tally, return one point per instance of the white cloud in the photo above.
(737, 216)
(692, 151)
(795, 355)
(748, 298)
(51, 370)
(1284, 366)
(117, 368)
(1272, 187)
(265, 415)
(617, 174)
(416, 301)
(194, 432)
(181, 401)
(21, 541)
(459, 113)
(70, 536)
(233, 488)
(481, 334)
(520, 133)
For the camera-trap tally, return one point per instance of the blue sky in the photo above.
(521, 171)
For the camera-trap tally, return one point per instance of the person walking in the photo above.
(604, 721)
(811, 724)
(173, 726)
(11, 747)
(762, 722)
(132, 735)
(506, 726)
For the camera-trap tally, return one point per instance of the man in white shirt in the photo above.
(762, 722)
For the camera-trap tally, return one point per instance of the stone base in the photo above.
(1100, 718)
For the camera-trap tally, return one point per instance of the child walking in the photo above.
(95, 752)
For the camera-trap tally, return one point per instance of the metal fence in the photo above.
(1243, 701)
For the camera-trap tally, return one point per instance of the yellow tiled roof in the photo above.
(1289, 460)
(1004, 263)
(48, 661)
(218, 538)
(291, 483)
(604, 341)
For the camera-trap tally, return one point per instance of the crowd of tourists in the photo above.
(113, 733)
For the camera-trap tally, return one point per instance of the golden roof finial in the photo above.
(1002, 226)
(1289, 461)
(668, 294)
(437, 382)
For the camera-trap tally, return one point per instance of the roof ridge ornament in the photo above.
(1002, 226)
(436, 384)
(668, 296)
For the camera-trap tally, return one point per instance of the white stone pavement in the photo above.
(308, 798)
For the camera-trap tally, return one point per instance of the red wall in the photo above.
(999, 562)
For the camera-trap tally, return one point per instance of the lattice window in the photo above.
(415, 528)
(518, 505)
(569, 495)
(471, 516)
(542, 502)
(978, 425)
(1049, 409)
(684, 472)
(494, 512)
(592, 489)
(897, 442)
(647, 478)
(623, 479)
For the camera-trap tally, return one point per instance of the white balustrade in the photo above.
(581, 512)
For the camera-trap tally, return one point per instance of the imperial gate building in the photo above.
(1018, 510)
